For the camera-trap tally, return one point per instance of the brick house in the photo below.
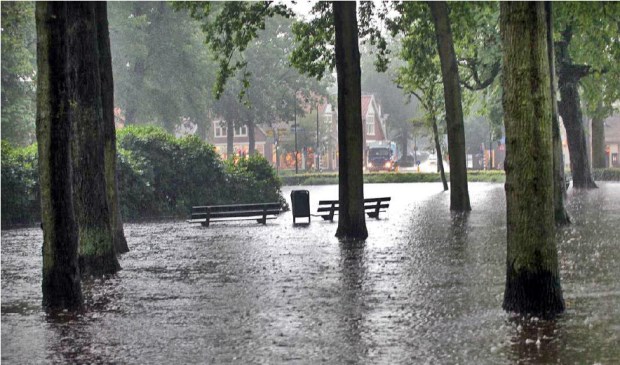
(241, 142)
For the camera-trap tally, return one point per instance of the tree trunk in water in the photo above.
(230, 138)
(351, 222)
(570, 110)
(459, 192)
(598, 143)
(109, 129)
(559, 185)
(97, 254)
(439, 155)
(251, 138)
(532, 275)
(61, 276)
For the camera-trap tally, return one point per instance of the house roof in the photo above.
(366, 99)
(612, 129)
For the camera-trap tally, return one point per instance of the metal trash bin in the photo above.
(300, 200)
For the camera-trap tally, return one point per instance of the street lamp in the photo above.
(318, 155)
(295, 126)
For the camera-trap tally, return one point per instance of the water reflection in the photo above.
(352, 316)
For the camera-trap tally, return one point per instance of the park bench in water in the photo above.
(373, 206)
(260, 212)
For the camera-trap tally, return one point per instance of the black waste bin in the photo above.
(300, 199)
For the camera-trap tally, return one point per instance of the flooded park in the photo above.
(425, 287)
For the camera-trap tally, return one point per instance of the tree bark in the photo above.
(96, 251)
(598, 143)
(61, 277)
(532, 274)
(569, 108)
(351, 222)
(109, 129)
(440, 168)
(559, 184)
(459, 192)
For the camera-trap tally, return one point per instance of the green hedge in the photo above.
(612, 174)
(391, 177)
(159, 176)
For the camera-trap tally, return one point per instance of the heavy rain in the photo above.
(216, 183)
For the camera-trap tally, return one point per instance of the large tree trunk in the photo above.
(440, 168)
(532, 274)
(97, 254)
(61, 276)
(559, 185)
(459, 192)
(351, 222)
(569, 107)
(109, 129)
(598, 143)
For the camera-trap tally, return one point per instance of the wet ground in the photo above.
(425, 287)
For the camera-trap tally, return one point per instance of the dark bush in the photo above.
(159, 176)
(254, 180)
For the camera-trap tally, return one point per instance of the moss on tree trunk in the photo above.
(97, 254)
(351, 222)
(61, 277)
(459, 192)
(532, 275)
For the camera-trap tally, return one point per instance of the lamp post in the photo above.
(318, 155)
(295, 126)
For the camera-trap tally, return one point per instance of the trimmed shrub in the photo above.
(612, 174)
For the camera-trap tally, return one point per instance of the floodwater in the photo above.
(426, 287)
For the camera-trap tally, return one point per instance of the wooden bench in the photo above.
(209, 213)
(373, 206)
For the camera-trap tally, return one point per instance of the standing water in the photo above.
(425, 287)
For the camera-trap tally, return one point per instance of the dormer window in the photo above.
(370, 124)
(220, 131)
(241, 131)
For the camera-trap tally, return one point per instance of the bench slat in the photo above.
(239, 213)
(256, 211)
(372, 207)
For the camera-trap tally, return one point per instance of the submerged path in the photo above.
(425, 287)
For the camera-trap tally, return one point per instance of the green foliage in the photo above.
(591, 31)
(159, 176)
(18, 72)
(20, 185)
(229, 27)
(253, 179)
(162, 71)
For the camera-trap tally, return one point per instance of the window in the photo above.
(241, 131)
(370, 124)
(220, 131)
